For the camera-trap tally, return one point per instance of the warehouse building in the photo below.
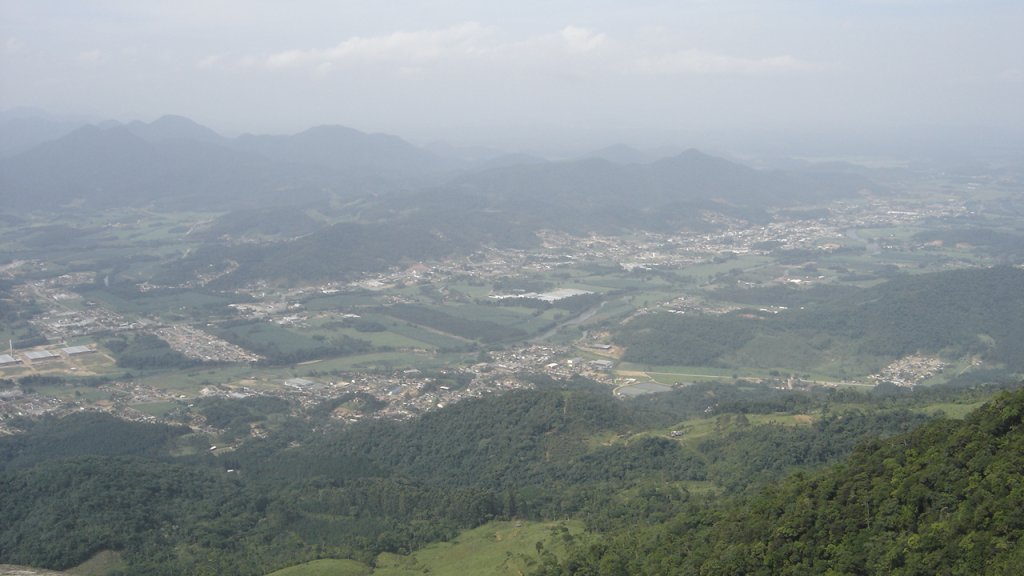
(73, 351)
(41, 356)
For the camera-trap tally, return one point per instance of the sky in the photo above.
(644, 72)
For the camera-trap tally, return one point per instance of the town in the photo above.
(73, 326)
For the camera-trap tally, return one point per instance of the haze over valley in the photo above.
(690, 288)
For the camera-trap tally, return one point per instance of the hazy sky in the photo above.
(641, 70)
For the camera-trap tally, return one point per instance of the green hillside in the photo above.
(955, 314)
(944, 499)
(305, 493)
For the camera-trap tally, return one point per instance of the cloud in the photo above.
(92, 57)
(695, 61)
(414, 51)
(581, 40)
(13, 45)
(573, 49)
(209, 62)
(403, 48)
(1011, 75)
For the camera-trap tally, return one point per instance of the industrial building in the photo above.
(41, 356)
(72, 351)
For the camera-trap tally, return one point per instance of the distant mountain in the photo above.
(175, 127)
(622, 154)
(507, 161)
(664, 151)
(96, 168)
(345, 150)
(878, 174)
(463, 153)
(174, 162)
(19, 134)
(689, 176)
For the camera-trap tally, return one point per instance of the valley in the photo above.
(537, 369)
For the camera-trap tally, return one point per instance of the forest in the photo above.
(959, 312)
(72, 487)
(943, 499)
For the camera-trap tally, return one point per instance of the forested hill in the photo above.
(689, 176)
(301, 494)
(944, 499)
(505, 207)
(976, 311)
(93, 168)
(175, 164)
(493, 443)
(335, 252)
(85, 433)
(597, 195)
(967, 309)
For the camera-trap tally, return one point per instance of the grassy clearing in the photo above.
(159, 304)
(700, 427)
(428, 338)
(494, 549)
(16, 371)
(955, 411)
(190, 382)
(497, 548)
(377, 339)
(103, 563)
(672, 379)
(73, 393)
(159, 409)
(680, 370)
(504, 315)
(341, 301)
(383, 361)
(704, 270)
(470, 290)
(268, 334)
(326, 568)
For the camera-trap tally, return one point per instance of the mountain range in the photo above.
(175, 163)
(375, 183)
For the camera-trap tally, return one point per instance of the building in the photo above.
(73, 351)
(8, 360)
(41, 356)
(303, 383)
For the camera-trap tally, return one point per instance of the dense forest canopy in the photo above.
(944, 499)
(75, 486)
(958, 312)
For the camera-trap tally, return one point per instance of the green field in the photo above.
(494, 549)
(158, 409)
(382, 361)
(73, 393)
(428, 338)
(266, 333)
(956, 411)
(326, 568)
(158, 304)
(377, 339)
(340, 302)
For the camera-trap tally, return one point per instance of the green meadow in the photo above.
(494, 549)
